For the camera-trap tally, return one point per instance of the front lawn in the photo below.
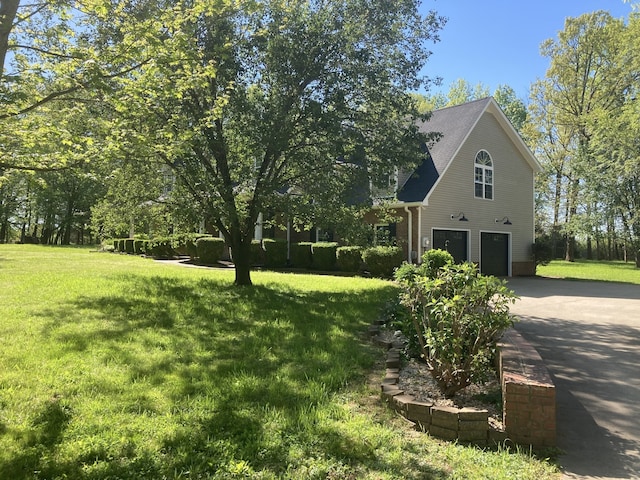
(119, 367)
(614, 271)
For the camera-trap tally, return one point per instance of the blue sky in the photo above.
(497, 42)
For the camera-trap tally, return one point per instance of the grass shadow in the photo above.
(246, 374)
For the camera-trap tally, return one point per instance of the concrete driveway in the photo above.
(588, 334)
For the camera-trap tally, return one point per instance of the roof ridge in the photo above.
(484, 99)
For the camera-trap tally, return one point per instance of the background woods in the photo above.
(147, 117)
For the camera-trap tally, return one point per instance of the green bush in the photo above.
(257, 252)
(324, 255)
(139, 246)
(301, 255)
(189, 248)
(435, 259)
(381, 261)
(458, 316)
(128, 246)
(184, 243)
(115, 242)
(161, 247)
(209, 249)
(349, 259)
(121, 245)
(275, 253)
(432, 261)
(542, 250)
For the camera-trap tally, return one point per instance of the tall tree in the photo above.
(272, 105)
(584, 77)
(462, 91)
(616, 147)
(8, 11)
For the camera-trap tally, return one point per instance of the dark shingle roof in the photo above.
(454, 124)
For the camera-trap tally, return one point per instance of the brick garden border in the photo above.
(528, 396)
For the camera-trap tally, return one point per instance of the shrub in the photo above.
(139, 246)
(121, 245)
(257, 252)
(209, 249)
(128, 246)
(324, 255)
(458, 317)
(184, 243)
(432, 261)
(349, 259)
(542, 250)
(161, 247)
(115, 244)
(189, 248)
(301, 255)
(435, 259)
(275, 252)
(381, 261)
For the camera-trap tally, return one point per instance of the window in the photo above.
(384, 234)
(483, 175)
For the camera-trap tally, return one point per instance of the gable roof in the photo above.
(455, 124)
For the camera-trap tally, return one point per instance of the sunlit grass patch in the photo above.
(122, 367)
(607, 271)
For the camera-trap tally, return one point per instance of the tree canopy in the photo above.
(260, 105)
(582, 115)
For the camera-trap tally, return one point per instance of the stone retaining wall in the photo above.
(527, 392)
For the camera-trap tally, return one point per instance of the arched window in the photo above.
(483, 175)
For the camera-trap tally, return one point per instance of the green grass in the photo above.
(592, 270)
(118, 367)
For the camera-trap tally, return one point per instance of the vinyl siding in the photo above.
(512, 193)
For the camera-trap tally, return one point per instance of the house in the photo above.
(472, 195)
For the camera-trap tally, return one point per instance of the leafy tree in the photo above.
(462, 92)
(57, 54)
(590, 75)
(616, 146)
(512, 106)
(260, 106)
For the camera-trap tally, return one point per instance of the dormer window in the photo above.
(483, 175)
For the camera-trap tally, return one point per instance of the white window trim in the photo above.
(484, 168)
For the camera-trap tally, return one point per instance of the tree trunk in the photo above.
(8, 10)
(241, 255)
(570, 248)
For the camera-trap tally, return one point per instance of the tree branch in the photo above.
(12, 46)
(75, 88)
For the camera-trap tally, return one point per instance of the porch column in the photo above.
(257, 234)
(409, 233)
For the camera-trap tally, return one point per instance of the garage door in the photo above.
(494, 254)
(453, 241)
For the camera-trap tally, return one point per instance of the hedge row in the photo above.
(160, 247)
(324, 256)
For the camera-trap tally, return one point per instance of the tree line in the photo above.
(159, 115)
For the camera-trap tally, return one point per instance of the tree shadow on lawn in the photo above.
(248, 373)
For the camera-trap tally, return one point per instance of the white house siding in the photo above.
(513, 193)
